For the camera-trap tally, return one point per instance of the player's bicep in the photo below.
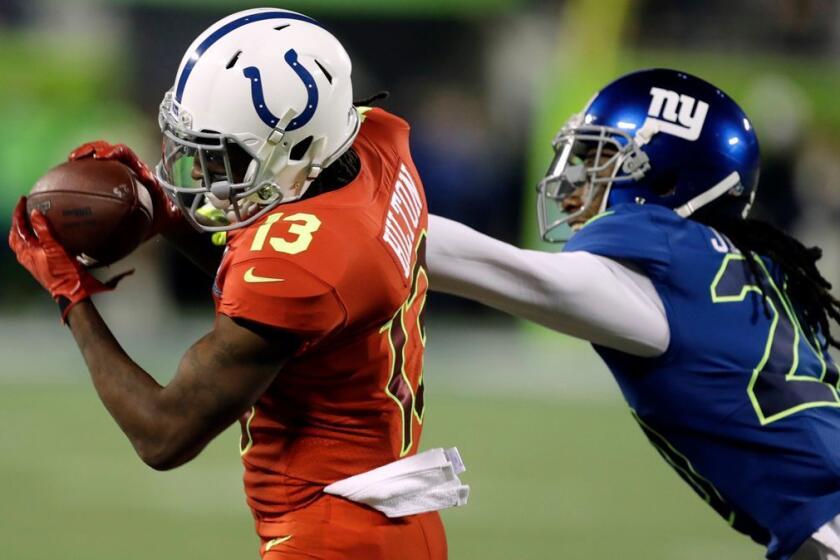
(222, 375)
(231, 367)
(606, 302)
(582, 295)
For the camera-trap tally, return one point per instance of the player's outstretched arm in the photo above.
(579, 294)
(218, 379)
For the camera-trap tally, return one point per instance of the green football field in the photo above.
(556, 470)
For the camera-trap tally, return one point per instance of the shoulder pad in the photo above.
(629, 232)
(380, 123)
(279, 293)
(302, 235)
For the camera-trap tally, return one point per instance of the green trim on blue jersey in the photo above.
(683, 466)
(597, 217)
(791, 375)
(808, 339)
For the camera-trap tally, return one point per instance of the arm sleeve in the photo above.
(577, 293)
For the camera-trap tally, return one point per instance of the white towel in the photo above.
(424, 482)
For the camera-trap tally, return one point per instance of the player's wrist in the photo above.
(68, 293)
(73, 312)
(68, 306)
(65, 306)
(73, 285)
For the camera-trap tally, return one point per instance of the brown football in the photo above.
(98, 209)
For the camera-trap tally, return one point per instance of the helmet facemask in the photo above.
(236, 185)
(210, 175)
(587, 157)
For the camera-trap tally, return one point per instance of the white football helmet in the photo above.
(262, 102)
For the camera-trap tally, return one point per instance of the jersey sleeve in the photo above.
(632, 234)
(282, 294)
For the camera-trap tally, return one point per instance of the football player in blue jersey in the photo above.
(715, 326)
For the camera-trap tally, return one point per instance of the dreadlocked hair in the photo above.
(806, 286)
(342, 171)
(338, 174)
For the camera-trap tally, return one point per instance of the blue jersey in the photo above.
(743, 404)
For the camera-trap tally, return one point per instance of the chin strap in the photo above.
(728, 183)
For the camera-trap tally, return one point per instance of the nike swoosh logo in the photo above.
(274, 542)
(252, 278)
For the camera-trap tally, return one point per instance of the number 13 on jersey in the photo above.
(302, 226)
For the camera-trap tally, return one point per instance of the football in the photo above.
(98, 209)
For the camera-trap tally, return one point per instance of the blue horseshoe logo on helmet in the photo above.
(253, 74)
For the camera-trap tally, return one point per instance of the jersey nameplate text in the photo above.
(403, 218)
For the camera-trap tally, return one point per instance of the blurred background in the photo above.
(558, 467)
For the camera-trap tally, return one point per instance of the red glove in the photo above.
(167, 217)
(39, 253)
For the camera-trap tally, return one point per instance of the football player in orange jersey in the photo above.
(318, 341)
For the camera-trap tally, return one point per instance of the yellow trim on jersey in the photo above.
(597, 217)
(247, 448)
(363, 111)
(388, 327)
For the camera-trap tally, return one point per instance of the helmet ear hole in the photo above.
(232, 62)
(299, 150)
(665, 183)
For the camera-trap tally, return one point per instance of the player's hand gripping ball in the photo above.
(98, 210)
(167, 218)
(104, 202)
(38, 251)
(94, 209)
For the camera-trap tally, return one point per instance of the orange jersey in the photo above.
(345, 272)
(336, 529)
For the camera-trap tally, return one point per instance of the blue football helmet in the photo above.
(651, 137)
